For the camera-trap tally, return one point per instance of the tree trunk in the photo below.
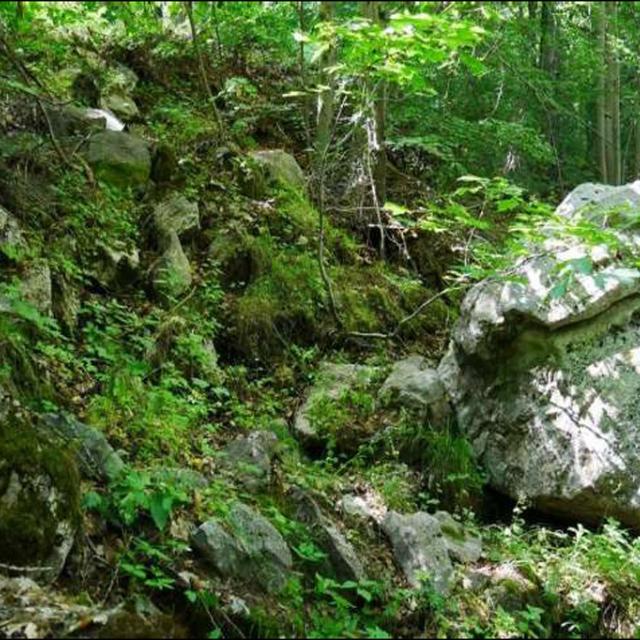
(325, 111)
(600, 29)
(203, 72)
(373, 11)
(614, 93)
(549, 63)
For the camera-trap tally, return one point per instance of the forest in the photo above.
(319, 319)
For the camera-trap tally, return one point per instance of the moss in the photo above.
(28, 526)
(376, 299)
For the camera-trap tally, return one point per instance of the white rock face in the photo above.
(544, 367)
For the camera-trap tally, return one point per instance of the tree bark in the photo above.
(549, 63)
(326, 100)
(373, 12)
(600, 30)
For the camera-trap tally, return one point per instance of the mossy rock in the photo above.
(39, 502)
(119, 159)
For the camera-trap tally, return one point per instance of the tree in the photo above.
(608, 136)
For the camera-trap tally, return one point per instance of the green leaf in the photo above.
(160, 509)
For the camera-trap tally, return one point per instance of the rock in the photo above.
(95, 457)
(121, 77)
(462, 546)
(11, 237)
(250, 550)
(415, 385)
(120, 82)
(81, 121)
(189, 479)
(281, 167)
(39, 503)
(116, 265)
(544, 373)
(332, 380)
(502, 585)
(120, 103)
(36, 286)
(66, 303)
(176, 215)
(119, 159)
(419, 549)
(30, 610)
(342, 557)
(250, 458)
(367, 507)
(172, 275)
(111, 122)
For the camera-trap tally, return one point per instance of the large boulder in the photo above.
(120, 103)
(332, 381)
(342, 558)
(71, 120)
(36, 288)
(116, 264)
(461, 544)
(119, 158)
(172, 275)
(280, 167)
(31, 610)
(39, 503)
(414, 384)
(544, 366)
(419, 549)
(249, 459)
(12, 239)
(249, 548)
(175, 214)
(94, 456)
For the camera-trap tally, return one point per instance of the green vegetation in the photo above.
(427, 144)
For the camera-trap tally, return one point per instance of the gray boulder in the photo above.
(116, 265)
(462, 546)
(120, 103)
(249, 548)
(36, 286)
(66, 302)
(72, 120)
(419, 549)
(39, 504)
(504, 586)
(11, 237)
(543, 367)
(95, 457)
(342, 557)
(119, 158)
(31, 610)
(176, 215)
(250, 458)
(414, 384)
(172, 274)
(368, 508)
(331, 381)
(280, 167)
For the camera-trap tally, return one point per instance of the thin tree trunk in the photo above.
(600, 29)
(549, 63)
(614, 73)
(201, 67)
(326, 101)
(372, 11)
(611, 96)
